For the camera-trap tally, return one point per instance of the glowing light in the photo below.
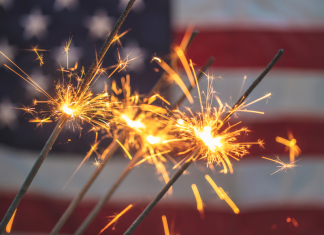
(67, 110)
(208, 139)
(229, 201)
(294, 150)
(165, 225)
(180, 121)
(222, 195)
(96, 163)
(131, 123)
(116, 217)
(123, 147)
(200, 206)
(153, 140)
(9, 225)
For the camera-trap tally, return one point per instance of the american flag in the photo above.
(243, 36)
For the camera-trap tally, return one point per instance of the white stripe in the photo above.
(251, 186)
(295, 93)
(275, 14)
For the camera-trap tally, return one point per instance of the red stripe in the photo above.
(39, 214)
(235, 48)
(308, 133)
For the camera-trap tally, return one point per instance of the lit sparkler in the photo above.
(109, 151)
(82, 94)
(206, 129)
(198, 148)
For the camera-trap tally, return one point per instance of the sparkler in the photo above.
(63, 119)
(103, 201)
(198, 149)
(283, 166)
(111, 149)
(294, 150)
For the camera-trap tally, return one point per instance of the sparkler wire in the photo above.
(163, 191)
(108, 195)
(179, 172)
(92, 215)
(62, 121)
(106, 45)
(108, 153)
(32, 173)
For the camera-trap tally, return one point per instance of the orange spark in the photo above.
(40, 121)
(294, 222)
(116, 217)
(123, 147)
(294, 150)
(284, 166)
(66, 50)
(222, 195)
(175, 77)
(165, 225)
(96, 163)
(39, 56)
(200, 206)
(229, 201)
(9, 225)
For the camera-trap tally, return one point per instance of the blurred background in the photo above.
(243, 36)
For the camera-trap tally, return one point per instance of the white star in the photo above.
(138, 5)
(42, 80)
(6, 4)
(99, 25)
(35, 24)
(133, 50)
(8, 115)
(74, 54)
(59, 5)
(8, 50)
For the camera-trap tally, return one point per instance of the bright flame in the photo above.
(67, 110)
(131, 123)
(209, 140)
(153, 140)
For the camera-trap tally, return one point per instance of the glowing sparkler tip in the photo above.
(153, 139)
(67, 110)
(208, 139)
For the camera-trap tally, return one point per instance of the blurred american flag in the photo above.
(243, 36)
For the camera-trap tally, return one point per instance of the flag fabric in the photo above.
(243, 36)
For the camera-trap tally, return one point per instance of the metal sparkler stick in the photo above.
(62, 121)
(108, 153)
(179, 172)
(129, 167)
